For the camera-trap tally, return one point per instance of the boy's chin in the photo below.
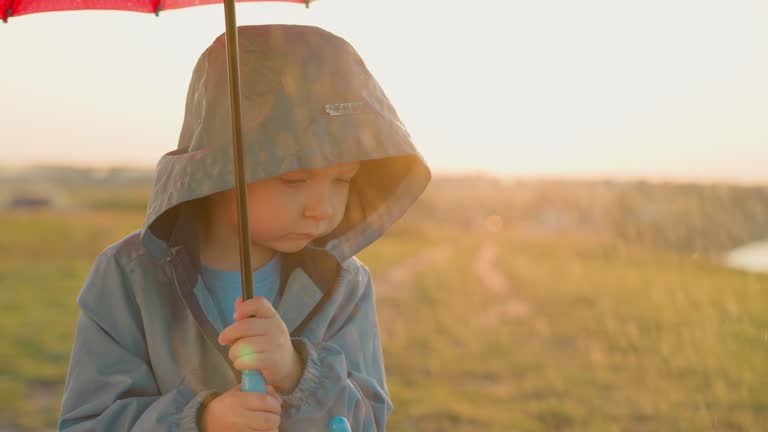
(285, 249)
(290, 245)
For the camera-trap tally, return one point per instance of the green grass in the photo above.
(616, 341)
(404, 239)
(44, 258)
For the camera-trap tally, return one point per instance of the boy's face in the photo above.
(289, 210)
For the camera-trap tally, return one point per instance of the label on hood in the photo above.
(345, 108)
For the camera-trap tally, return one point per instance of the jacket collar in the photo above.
(307, 279)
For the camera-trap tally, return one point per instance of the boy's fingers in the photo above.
(252, 360)
(245, 328)
(257, 307)
(261, 421)
(261, 402)
(246, 354)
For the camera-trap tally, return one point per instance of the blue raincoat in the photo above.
(145, 356)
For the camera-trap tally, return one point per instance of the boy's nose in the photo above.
(318, 209)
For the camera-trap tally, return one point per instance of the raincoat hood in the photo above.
(308, 101)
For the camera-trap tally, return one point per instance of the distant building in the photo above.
(29, 202)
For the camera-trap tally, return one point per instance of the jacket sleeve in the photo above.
(110, 385)
(343, 375)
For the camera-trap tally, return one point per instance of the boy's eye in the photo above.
(299, 181)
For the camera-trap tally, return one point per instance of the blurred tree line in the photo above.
(693, 219)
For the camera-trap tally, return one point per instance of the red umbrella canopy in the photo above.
(10, 8)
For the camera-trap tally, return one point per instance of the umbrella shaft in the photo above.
(252, 381)
(233, 66)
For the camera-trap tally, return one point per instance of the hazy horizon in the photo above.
(15, 168)
(594, 89)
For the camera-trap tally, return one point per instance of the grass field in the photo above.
(611, 337)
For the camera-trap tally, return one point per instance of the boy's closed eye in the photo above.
(293, 181)
(343, 173)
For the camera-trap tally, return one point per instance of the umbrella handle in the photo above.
(253, 382)
(339, 424)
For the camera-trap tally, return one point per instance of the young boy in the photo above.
(163, 336)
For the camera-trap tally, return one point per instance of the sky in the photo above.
(657, 89)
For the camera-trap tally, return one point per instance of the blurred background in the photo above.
(592, 254)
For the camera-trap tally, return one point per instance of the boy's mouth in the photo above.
(303, 236)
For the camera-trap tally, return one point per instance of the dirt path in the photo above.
(490, 276)
(395, 282)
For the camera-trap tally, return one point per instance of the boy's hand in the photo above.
(235, 411)
(260, 341)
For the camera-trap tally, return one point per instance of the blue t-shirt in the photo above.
(217, 290)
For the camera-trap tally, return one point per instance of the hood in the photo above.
(308, 101)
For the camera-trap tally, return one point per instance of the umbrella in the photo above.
(252, 380)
